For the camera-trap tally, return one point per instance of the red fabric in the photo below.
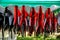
(48, 18)
(19, 13)
(40, 20)
(33, 18)
(15, 15)
(54, 23)
(23, 17)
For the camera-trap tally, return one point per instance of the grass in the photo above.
(40, 37)
(37, 38)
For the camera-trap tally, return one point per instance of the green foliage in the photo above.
(40, 37)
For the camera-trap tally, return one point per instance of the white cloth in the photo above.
(18, 20)
(10, 20)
